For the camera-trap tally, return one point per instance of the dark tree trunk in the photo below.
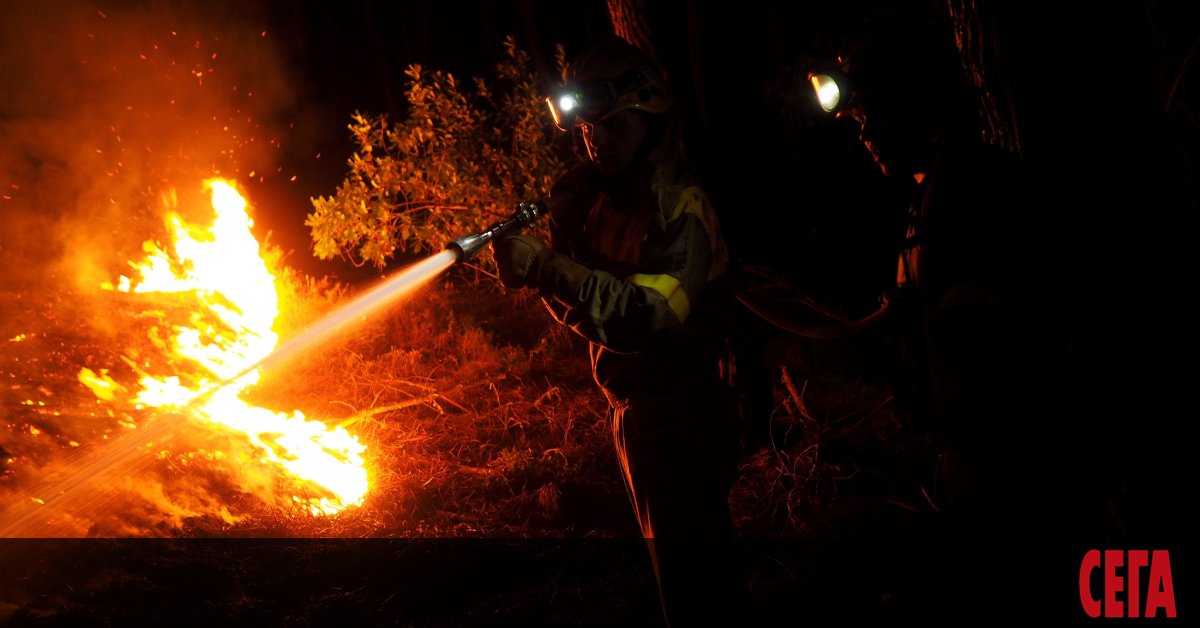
(978, 40)
(1100, 120)
(630, 23)
(670, 32)
(1090, 97)
(1174, 32)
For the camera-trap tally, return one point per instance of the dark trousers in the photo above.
(677, 443)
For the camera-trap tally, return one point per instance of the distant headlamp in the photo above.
(833, 90)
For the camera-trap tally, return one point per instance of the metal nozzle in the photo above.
(469, 246)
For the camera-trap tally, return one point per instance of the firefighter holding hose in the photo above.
(636, 263)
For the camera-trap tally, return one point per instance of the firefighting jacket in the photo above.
(651, 271)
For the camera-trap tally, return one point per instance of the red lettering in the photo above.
(1113, 583)
(1137, 560)
(1160, 592)
(1162, 589)
(1091, 562)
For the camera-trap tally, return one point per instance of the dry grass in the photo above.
(476, 409)
(839, 460)
(481, 419)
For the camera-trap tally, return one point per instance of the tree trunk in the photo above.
(630, 23)
(977, 38)
(1094, 106)
(670, 32)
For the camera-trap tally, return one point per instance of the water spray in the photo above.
(469, 246)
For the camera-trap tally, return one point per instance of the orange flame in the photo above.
(223, 267)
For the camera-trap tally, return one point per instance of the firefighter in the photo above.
(974, 307)
(636, 263)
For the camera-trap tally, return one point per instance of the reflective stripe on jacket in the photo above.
(648, 267)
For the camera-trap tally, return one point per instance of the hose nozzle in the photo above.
(469, 246)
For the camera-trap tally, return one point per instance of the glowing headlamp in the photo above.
(640, 88)
(833, 90)
(567, 103)
(585, 102)
(564, 107)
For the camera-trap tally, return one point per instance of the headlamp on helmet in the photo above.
(833, 90)
(587, 103)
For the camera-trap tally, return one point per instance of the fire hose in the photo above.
(768, 310)
(837, 331)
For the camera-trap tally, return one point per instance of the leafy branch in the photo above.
(461, 158)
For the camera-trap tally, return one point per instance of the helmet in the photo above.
(611, 76)
(906, 56)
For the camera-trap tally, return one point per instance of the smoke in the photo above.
(111, 113)
(108, 107)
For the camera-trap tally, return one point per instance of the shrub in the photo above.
(460, 160)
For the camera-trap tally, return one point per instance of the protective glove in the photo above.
(517, 259)
(524, 261)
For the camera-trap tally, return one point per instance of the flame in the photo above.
(101, 385)
(223, 267)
